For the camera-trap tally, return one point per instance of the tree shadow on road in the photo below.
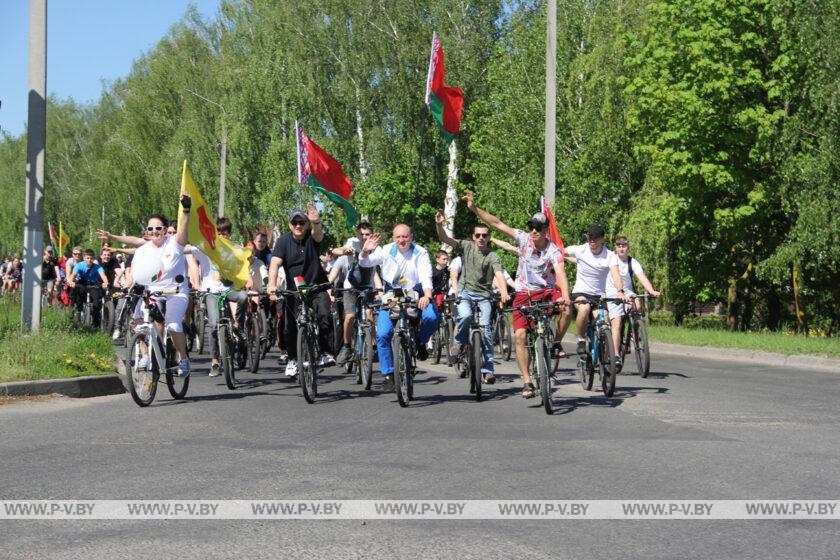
(570, 404)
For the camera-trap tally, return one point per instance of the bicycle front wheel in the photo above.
(401, 373)
(307, 365)
(366, 361)
(586, 369)
(106, 320)
(641, 348)
(142, 381)
(476, 360)
(225, 357)
(200, 326)
(544, 373)
(507, 336)
(607, 362)
(253, 334)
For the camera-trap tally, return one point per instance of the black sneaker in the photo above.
(387, 384)
(618, 365)
(581, 347)
(422, 353)
(343, 355)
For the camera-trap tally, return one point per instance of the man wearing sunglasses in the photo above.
(539, 274)
(88, 277)
(481, 265)
(72, 261)
(299, 253)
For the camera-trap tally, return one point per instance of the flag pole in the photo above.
(299, 173)
(423, 133)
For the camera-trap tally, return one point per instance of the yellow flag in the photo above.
(63, 239)
(231, 259)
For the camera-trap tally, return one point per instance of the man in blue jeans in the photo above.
(403, 265)
(480, 269)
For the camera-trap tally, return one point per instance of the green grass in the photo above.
(781, 343)
(59, 349)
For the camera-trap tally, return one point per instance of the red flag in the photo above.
(324, 175)
(553, 234)
(445, 103)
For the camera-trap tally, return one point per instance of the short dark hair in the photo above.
(620, 239)
(157, 216)
(364, 224)
(481, 226)
(89, 253)
(441, 252)
(224, 224)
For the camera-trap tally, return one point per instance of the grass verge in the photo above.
(60, 349)
(780, 343)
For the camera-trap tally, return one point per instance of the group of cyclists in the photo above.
(361, 276)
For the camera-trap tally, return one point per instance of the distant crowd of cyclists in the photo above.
(361, 276)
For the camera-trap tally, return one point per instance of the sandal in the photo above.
(557, 350)
(528, 391)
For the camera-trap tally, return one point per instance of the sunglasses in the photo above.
(298, 223)
(621, 244)
(536, 227)
(76, 254)
(481, 235)
(154, 228)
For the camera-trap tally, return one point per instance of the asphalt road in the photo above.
(693, 430)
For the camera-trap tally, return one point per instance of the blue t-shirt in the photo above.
(85, 275)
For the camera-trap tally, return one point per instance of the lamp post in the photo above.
(224, 151)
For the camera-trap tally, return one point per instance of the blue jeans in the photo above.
(485, 310)
(385, 331)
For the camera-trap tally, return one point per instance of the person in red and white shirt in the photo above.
(540, 276)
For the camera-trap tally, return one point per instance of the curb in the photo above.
(757, 357)
(77, 387)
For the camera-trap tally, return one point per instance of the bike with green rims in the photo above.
(539, 317)
(600, 352)
(308, 349)
(150, 355)
(634, 335)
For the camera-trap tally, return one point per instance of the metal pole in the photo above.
(550, 103)
(222, 172)
(36, 146)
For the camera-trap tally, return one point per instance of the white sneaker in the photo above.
(116, 335)
(215, 370)
(326, 359)
(291, 368)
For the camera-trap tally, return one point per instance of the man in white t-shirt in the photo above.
(593, 267)
(628, 267)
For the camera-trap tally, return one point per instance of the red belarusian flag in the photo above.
(324, 175)
(445, 103)
(553, 234)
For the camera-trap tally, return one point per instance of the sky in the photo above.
(89, 42)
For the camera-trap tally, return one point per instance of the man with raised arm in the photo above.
(405, 265)
(539, 274)
(481, 266)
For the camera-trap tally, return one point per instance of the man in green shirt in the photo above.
(480, 267)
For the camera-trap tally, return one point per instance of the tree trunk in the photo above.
(450, 201)
(774, 310)
(732, 304)
(363, 169)
(797, 303)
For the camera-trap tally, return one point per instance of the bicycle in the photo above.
(634, 330)
(143, 370)
(268, 325)
(502, 334)
(470, 360)
(403, 310)
(224, 338)
(252, 331)
(199, 321)
(85, 316)
(540, 341)
(108, 310)
(599, 348)
(362, 338)
(308, 349)
(443, 334)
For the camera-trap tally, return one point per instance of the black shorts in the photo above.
(351, 296)
(576, 295)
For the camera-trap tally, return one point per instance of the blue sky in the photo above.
(88, 42)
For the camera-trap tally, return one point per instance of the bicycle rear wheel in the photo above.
(225, 358)
(307, 365)
(586, 369)
(177, 385)
(607, 362)
(142, 381)
(507, 336)
(106, 319)
(641, 348)
(544, 373)
(437, 346)
(475, 366)
(401, 374)
(200, 326)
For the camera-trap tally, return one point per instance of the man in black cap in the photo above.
(594, 264)
(298, 252)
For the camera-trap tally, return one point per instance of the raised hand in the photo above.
(312, 212)
(102, 234)
(469, 198)
(186, 202)
(372, 243)
(439, 217)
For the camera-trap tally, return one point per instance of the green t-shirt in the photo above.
(478, 269)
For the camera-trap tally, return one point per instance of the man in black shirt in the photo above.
(298, 252)
(109, 264)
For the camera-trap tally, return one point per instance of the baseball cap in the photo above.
(538, 221)
(297, 213)
(595, 232)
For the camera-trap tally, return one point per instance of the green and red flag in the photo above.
(445, 103)
(324, 175)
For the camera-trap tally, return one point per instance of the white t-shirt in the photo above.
(624, 272)
(158, 268)
(211, 278)
(592, 270)
(456, 266)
